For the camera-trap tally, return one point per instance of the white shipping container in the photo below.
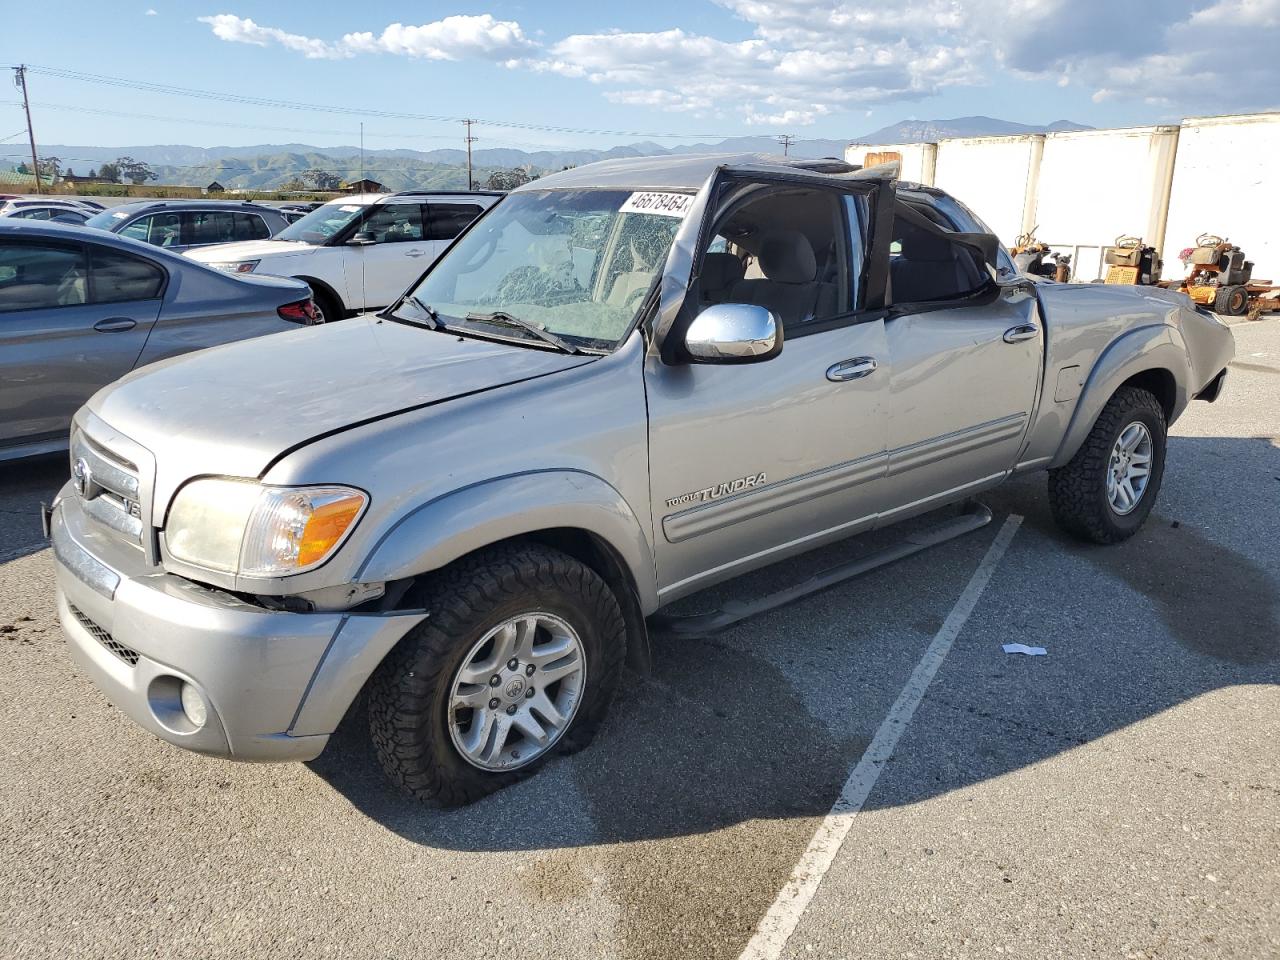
(917, 159)
(1098, 185)
(1225, 182)
(995, 177)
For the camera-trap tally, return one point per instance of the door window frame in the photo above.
(871, 285)
(86, 254)
(980, 296)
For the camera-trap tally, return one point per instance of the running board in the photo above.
(974, 516)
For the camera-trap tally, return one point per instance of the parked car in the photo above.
(60, 211)
(466, 507)
(80, 309)
(359, 252)
(180, 225)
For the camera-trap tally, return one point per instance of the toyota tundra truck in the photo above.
(623, 383)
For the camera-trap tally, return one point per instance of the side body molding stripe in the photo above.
(709, 517)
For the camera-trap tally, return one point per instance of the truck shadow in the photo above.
(725, 731)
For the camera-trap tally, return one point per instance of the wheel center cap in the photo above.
(514, 689)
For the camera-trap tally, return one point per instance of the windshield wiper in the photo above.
(509, 320)
(433, 321)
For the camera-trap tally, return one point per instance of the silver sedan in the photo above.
(80, 309)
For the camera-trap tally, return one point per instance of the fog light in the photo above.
(193, 705)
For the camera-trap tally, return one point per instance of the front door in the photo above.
(965, 357)
(749, 463)
(73, 318)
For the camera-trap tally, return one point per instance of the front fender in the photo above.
(455, 524)
(1155, 347)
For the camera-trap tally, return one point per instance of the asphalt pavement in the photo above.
(1118, 797)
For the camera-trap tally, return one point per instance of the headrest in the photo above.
(721, 271)
(786, 256)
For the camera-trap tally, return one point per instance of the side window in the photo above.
(159, 229)
(786, 250)
(37, 213)
(116, 277)
(209, 226)
(446, 220)
(926, 266)
(250, 226)
(394, 222)
(37, 276)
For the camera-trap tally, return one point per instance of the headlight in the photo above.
(253, 530)
(236, 266)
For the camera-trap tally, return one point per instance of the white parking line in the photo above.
(780, 922)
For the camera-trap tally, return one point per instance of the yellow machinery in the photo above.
(1131, 261)
(1221, 279)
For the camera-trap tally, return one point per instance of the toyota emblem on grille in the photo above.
(81, 476)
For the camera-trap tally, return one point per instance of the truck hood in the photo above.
(232, 410)
(249, 250)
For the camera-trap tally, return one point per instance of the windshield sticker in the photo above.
(663, 204)
(350, 208)
(120, 214)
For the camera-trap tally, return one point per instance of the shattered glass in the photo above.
(569, 261)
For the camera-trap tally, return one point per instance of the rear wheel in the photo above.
(518, 661)
(327, 308)
(1231, 301)
(1107, 489)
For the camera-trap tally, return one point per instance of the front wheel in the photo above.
(327, 309)
(517, 661)
(1108, 488)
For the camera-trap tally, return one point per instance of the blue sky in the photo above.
(690, 69)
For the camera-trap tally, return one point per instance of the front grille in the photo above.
(128, 655)
(107, 484)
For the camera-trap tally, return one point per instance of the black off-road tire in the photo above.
(409, 693)
(1078, 490)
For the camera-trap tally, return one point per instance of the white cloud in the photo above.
(150, 12)
(805, 59)
(453, 38)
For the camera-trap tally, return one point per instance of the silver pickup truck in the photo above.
(464, 511)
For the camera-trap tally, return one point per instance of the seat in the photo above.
(790, 288)
(929, 269)
(720, 271)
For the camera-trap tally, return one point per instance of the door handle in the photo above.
(416, 253)
(854, 369)
(1023, 331)
(115, 325)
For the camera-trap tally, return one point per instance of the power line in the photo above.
(171, 90)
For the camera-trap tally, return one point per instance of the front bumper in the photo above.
(276, 684)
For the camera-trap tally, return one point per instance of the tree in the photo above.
(110, 172)
(135, 171)
(23, 169)
(50, 167)
(93, 172)
(507, 179)
(322, 180)
(68, 172)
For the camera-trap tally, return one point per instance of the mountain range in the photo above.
(265, 166)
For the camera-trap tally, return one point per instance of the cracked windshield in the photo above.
(575, 263)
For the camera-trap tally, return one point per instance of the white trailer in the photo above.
(995, 177)
(917, 160)
(1097, 185)
(1225, 182)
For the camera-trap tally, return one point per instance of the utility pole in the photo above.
(786, 140)
(361, 149)
(471, 185)
(20, 80)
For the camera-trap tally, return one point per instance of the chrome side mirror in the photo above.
(734, 333)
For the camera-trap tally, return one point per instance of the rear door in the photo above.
(73, 318)
(966, 357)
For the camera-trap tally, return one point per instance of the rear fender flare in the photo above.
(1155, 347)
(462, 521)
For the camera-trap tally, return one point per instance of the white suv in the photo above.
(358, 252)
